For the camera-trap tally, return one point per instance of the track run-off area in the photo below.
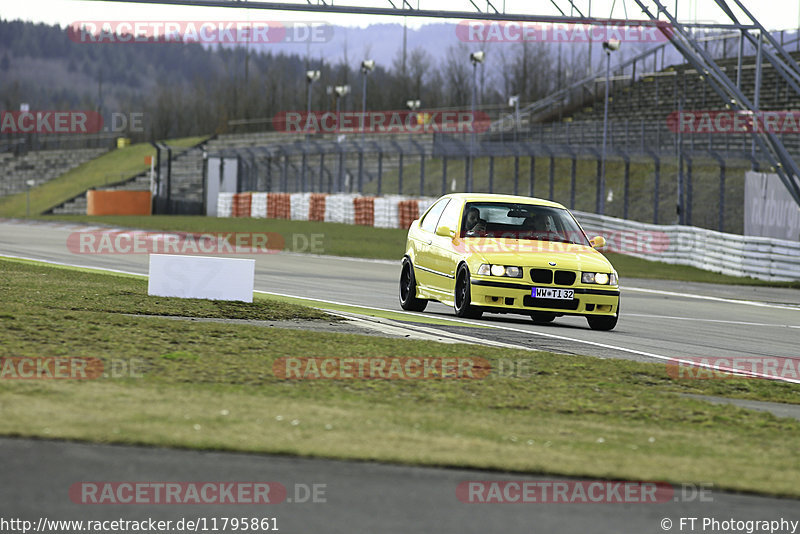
(660, 321)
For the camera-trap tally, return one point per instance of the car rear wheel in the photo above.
(602, 322)
(463, 296)
(543, 317)
(408, 289)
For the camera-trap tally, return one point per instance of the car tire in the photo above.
(463, 296)
(408, 289)
(543, 317)
(602, 322)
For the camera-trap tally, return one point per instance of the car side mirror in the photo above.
(445, 231)
(598, 241)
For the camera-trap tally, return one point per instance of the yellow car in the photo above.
(507, 254)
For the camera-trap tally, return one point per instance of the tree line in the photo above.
(187, 89)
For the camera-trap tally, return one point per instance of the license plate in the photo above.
(552, 293)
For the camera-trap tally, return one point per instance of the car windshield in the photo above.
(520, 221)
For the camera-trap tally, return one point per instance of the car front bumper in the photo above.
(497, 296)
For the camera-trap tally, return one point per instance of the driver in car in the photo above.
(473, 222)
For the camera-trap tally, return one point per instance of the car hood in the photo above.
(533, 253)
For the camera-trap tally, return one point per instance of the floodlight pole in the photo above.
(608, 46)
(366, 67)
(475, 57)
(472, 135)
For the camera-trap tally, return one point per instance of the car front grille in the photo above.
(542, 276)
(565, 278)
(547, 276)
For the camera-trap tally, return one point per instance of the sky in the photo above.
(773, 14)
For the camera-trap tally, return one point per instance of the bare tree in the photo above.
(457, 76)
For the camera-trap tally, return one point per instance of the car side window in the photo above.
(450, 215)
(432, 217)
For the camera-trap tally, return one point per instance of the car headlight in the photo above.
(599, 278)
(500, 270)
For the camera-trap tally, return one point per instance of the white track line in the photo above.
(696, 319)
(705, 297)
(473, 323)
(555, 336)
(430, 333)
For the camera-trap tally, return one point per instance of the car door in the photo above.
(444, 255)
(424, 270)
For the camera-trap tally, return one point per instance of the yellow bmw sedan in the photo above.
(507, 254)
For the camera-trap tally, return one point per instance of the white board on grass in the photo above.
(201, 277)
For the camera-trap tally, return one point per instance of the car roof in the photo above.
(488, 197)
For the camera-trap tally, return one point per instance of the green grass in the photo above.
(210, 385)
(705, 184)
(381, 243)
(114, 166)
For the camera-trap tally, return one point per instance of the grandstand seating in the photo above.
(42, 166)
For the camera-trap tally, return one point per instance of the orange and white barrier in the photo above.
(316, 207)
(258, 205)
(339, 208)
(241, 205)
(299, 206)
(225, 204)
(364, 211)
(383, 212)
(279, 206)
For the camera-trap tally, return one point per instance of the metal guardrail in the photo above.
(763, 258)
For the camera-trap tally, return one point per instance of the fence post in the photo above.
(491, 174)
(688, 207)
(444, 175)
(360, 168)
(516, 173)
(721, 162)
(285, 174)
(656, 184)
(303, 174)
(532, 176)
(467, 162)
(422, 174)
(572, 181)
(400, 174)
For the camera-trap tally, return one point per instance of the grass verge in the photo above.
(211, 386)
(111, 167)
(381, 243)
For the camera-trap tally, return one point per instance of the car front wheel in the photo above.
(408, 289)
(463, 296)
(602, 322)
(543, 317)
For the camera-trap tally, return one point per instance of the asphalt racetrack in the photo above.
(660, 320)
